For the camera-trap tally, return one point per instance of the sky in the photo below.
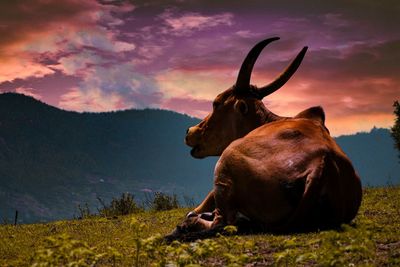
(112, 55)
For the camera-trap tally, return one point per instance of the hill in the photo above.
(372, 240)
(374, 156)
(53, 160)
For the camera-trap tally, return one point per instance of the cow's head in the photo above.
(237, 110)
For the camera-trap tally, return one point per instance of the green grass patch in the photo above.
(135, 240)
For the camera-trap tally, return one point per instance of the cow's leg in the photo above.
(195, 227)
(190, 229)
(207, 205)
(225, 212)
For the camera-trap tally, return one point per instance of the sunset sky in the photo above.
(109, 55)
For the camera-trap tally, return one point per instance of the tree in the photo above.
(395, 131)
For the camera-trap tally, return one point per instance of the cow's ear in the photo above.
(241, 106)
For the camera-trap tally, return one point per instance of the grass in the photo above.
(134, 240)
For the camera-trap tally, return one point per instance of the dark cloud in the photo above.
(368, 9)
(361, 79)
(20, 19)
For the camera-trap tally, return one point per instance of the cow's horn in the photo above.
(243, 79)
(284, 77)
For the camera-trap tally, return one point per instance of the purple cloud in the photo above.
(106, 55)
(188, 23)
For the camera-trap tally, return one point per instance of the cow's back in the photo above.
(270, 165)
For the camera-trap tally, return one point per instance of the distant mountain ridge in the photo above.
(51, 160)
(374, 156)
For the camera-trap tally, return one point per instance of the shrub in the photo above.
(84, 212)
(120, 206)
(162, 201)
(395, 130)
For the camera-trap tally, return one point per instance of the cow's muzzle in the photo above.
(193, 139)
(195, 152)
(192, 136)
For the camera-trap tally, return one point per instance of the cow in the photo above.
(283, 173)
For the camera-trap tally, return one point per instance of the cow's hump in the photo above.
(313, 113)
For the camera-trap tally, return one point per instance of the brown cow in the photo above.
(285, 173)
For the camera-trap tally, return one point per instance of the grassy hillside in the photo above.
(373, 239)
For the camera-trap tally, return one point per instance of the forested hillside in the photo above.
(374, 156)
(52, 160)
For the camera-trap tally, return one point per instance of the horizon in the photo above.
(107, 55)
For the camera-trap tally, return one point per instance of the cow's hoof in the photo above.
(170, 238)
(208, 216)
(174, 235)
(191, 214)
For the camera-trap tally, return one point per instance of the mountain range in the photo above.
(53, 160)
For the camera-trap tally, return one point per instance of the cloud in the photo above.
(180, 54)
(247, 34)
(186, 24)
(161, 38)
(24, 21)
(222, 56)
(93, 100)
(355, 82)
(335, 20)
(194, 107)
(204, 84)
(104, 89)
(366, 73)
(99, 38)
(148, 53)
(356, 86)
(12, 68)
(30, 32)
(28, 91)
(76, 64)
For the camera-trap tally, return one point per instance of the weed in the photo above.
(62, 250)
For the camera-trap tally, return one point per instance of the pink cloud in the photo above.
(148, 54)
(47, 29)
(189, 22)
(29, 92)
(23, 67)
(93, 100)
(194, 107)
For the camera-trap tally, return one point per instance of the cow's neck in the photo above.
(269, 116)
